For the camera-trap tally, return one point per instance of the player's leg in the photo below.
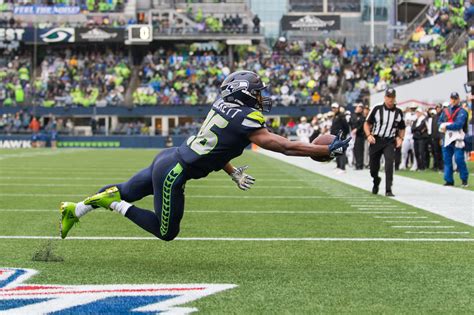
(418, 156)
(405, 149)
(461, 163)
(375, 153)
(169, 201)
(389, 155)
(414, 166)
(137, 187)
(168, 185)
(448, 152)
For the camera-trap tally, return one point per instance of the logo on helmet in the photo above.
(235, 86)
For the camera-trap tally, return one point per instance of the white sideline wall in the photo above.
(435, 89)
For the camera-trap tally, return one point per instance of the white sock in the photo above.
(121, 207)
(82, 209)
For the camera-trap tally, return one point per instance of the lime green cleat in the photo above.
(104, 199)
(68, 217)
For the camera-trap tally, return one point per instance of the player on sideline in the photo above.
(234, 121)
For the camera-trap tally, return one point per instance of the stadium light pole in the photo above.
(372, 23)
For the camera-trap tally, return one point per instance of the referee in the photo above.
(385, 129)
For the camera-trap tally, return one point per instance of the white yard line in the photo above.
(391, 209)
(368, 204)
(453, 203)
(187, 196)
(423, 227)
(34, 154)
(404, 217)
(192, 186)
(436, 232)
(217, 211)
(411, 221)
(245, 239)
(103, 178)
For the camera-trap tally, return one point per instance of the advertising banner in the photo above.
(311, 22)
(10, 37)
(100, 34)
(49, 35)
(46, 10)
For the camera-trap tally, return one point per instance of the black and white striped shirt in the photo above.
(385, 122)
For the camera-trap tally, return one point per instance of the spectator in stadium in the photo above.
(256, 24)
(436, 139)
(304, 130)
(357, 124)
(408, 145)
(339, 125)
(454, 122)
(290, 126)
(316, 125)
(420, 137)
(34, 124)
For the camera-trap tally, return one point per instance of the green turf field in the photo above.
(334, 249)
(437, 177)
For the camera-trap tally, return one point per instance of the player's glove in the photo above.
(243, 181)
(338, 146)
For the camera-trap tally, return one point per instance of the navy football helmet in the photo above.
(244, 88)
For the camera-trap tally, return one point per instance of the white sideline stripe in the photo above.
(374, 206)
(218, 211)
(423, 227)
(405, 217)
(243, 239)
(188, 196)
(384, 210)
(412, 221)
(437, 232)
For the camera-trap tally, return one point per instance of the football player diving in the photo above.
(234, 121)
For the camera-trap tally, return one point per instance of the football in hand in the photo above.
(323, 140)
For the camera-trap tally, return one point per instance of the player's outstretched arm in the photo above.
(273, 142)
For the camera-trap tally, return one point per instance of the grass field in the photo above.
(335, 249)
(437, 177)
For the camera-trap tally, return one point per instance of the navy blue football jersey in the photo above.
(222, 137)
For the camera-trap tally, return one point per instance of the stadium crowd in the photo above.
(82, 78)
(311, 73)
(443, 18)
(15, 78)
(316, 76)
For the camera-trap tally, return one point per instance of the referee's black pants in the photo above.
(385, 147)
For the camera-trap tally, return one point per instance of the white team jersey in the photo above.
(304, 131)
(410, 119)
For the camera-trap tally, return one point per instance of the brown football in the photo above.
(323, 140)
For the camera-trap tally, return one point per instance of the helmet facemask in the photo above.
(264, 103)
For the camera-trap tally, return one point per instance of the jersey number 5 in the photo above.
(206, 140)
